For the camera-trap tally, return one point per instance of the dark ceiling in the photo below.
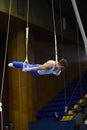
(68, 12)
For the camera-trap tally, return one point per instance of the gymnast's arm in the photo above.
(46, 65)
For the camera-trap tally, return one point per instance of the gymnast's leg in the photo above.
(22, 65)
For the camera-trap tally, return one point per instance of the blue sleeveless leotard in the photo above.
(50, 70)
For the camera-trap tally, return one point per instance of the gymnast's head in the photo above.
(63, 63)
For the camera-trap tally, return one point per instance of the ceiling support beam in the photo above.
(80, 24)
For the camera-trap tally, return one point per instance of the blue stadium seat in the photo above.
(74, 91)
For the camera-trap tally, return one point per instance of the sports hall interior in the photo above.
(24, 95)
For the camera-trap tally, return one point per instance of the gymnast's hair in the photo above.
(63, 62)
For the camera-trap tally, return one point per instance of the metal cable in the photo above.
(79, 63)
(55, 37)
(65, 96)
(3, 75)
(27, 32)
(80, 75)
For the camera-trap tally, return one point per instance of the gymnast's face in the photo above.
(61, 68)
(58, 66)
